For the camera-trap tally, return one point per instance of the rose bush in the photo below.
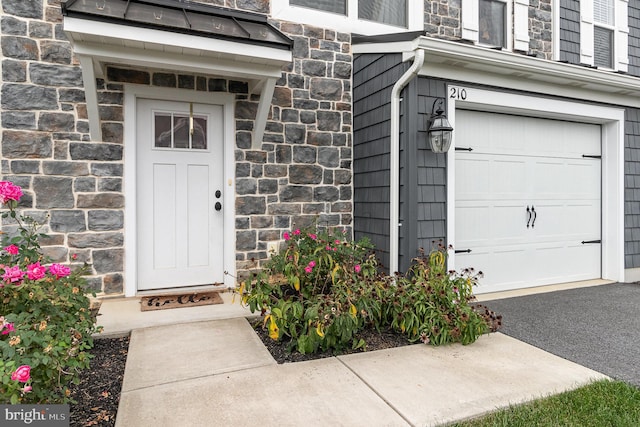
(45, 324)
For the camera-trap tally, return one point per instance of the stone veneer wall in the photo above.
(302, 175)
(442, 18)
(74, 186)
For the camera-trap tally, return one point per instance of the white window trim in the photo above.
(621, 34)
(517, 31)
(282, 10)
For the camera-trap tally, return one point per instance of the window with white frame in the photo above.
(367, 17)
(604, 33)
(497, 23)
(492, 23)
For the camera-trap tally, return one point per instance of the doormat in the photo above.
(193, 299)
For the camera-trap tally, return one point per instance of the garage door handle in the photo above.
(584, 242)
(535, 215)
(528, 216)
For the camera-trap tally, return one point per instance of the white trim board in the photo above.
(612, 124)
(131, 94)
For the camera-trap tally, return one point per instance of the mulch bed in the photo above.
(98, 393)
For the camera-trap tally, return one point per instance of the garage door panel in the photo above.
(496, 274)
(508, 178)
(473, 178)
(516, 163)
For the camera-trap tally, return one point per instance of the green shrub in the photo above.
(432, 304)
(45, 322)
(301, 291)
(321, 290)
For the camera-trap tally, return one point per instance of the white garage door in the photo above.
(528, 200)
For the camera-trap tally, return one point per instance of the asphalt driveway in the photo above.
(597, 327)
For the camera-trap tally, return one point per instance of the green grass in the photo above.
(600, 404)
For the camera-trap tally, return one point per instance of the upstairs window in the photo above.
(497, 23)
(604, 34)
(333, 6)
(366, 17)
(493, 23)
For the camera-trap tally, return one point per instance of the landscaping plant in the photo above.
(45, 323)
(322, 289)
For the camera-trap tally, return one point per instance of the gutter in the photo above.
(394, 158)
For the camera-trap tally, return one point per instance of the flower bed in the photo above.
(45, 319)
(331, 291)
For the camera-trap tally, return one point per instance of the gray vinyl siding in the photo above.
(634, 37)
(373, 78)
(632, 188)
(570, 31)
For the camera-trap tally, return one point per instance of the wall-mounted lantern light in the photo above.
(440, 130)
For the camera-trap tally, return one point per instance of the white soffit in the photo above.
(99, 43)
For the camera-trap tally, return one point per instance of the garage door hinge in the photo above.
(462, 251)
(591, 156)
(464, 149)
(591, 241)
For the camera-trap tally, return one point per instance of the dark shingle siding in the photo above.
(632, 188)
(431, 174)
(570, 31)
(373, 78)
(634, 37)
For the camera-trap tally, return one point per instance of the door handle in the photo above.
(535, 215)
(528, 216)
(218, 206)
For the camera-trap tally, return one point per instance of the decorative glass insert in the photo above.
(391, 12)
(602, 47)
(492, 23)
(334, 6)
(177, 130)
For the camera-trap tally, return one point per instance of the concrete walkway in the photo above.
(218, 373)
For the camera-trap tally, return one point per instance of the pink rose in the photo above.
(9, 191)
(313, 236)
(337, 242)
(27, 389)
(357, 268)
(22, 374)
(36, 271)
(297, 232)
(7, 329)
(286, 236)
(12, 249)
(59, 270)
(312, 264)
(13, 274)
(328, 248)
(308, 269)
(74, 257)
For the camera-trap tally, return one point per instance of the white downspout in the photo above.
(394, 157)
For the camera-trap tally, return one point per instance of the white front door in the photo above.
(179, 156)
(528, 201)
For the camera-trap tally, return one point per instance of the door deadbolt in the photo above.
(218, 206)
(218, 194)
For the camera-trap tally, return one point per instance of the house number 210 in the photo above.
(457, 93)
